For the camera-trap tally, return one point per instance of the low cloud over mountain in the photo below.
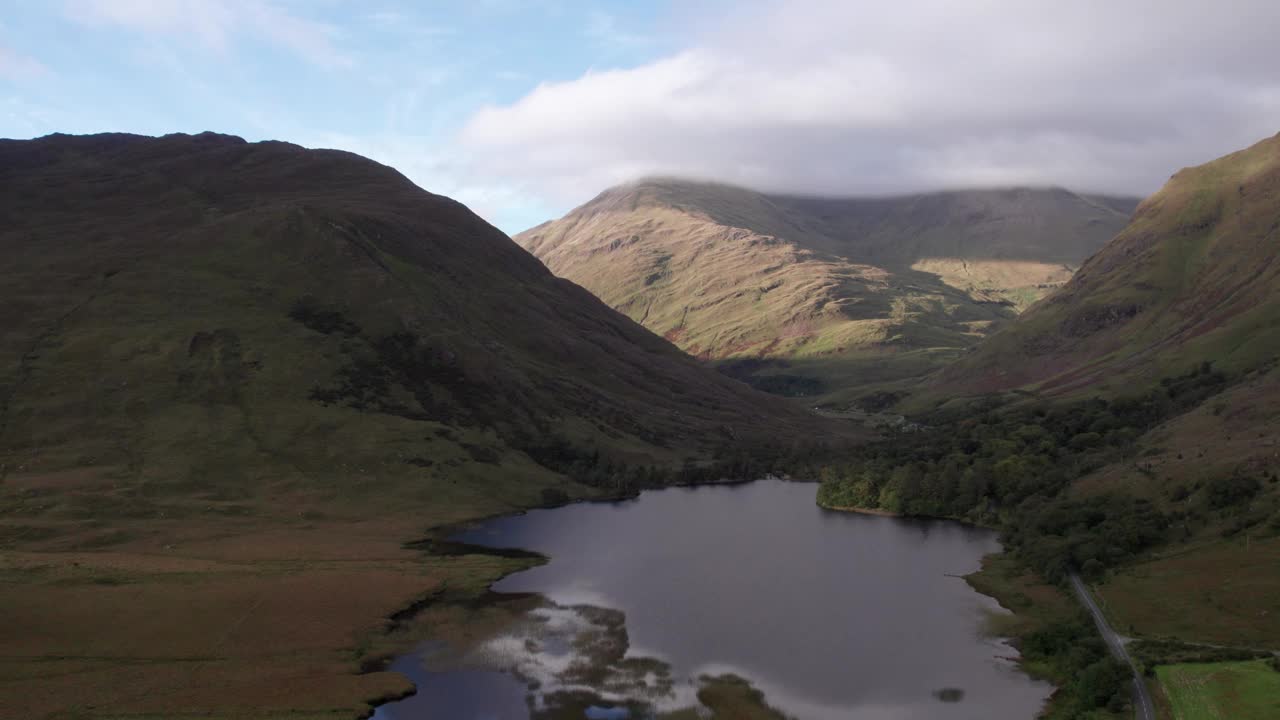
(818, 97)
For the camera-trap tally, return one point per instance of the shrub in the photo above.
(1230, 491)
(309, 312)
(551, 497)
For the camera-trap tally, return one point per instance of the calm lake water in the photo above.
(830, 615)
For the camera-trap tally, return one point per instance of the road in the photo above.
(1144, 709)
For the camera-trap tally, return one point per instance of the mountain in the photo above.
(1163, 356)
(206, 272)
(1124, 430)
(830, 287)
(1193, 278)
(236, 378)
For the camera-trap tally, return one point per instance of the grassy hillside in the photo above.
(833, 293)
(1216, 471)
(1124, 428)
(1238, 690)
(1193, 278)
(236, 378)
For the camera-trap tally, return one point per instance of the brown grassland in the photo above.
(234, 618)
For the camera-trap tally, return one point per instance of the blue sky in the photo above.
(523, 109)
(392, 80)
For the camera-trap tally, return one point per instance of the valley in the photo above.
(256, 397)
(240, 379)
(1124, 426)
(580, 360)
(825, 298)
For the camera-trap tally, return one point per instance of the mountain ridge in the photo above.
(302, 180)
(726, 272)
(240, 383)
(1192, 279)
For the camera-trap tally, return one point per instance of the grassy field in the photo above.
(1222, 691)
(1031, 601)
(265, 615)
(1222, 563)
(1225, 592)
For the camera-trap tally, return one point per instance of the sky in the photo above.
(523, 110)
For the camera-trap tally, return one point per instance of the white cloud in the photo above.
(216, 24)
(861, 97)
(18, 67)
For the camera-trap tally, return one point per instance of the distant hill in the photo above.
(847, 290)
(1194, 278)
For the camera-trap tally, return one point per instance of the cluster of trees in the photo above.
(586, 465)
(1008, 467)
(1072, 651)
(753, 371)
(1150, 653)
(392, 374)
(1229, 491)
(1089, 535)
(311, 313)
(1233, 502)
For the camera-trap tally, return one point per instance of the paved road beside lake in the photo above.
(1143, 707)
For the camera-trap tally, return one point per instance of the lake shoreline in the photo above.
(436, 542)
(862, 511)
(1024, 614)
(443, 540)
(881, 512)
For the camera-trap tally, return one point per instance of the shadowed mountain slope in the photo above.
(1194, 278)
(156, 285)
(1168, 340)
(236, 379)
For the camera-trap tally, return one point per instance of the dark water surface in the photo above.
(831, 615)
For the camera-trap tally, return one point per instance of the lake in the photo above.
(828, 614)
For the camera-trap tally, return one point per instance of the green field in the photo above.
(1226, 691)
